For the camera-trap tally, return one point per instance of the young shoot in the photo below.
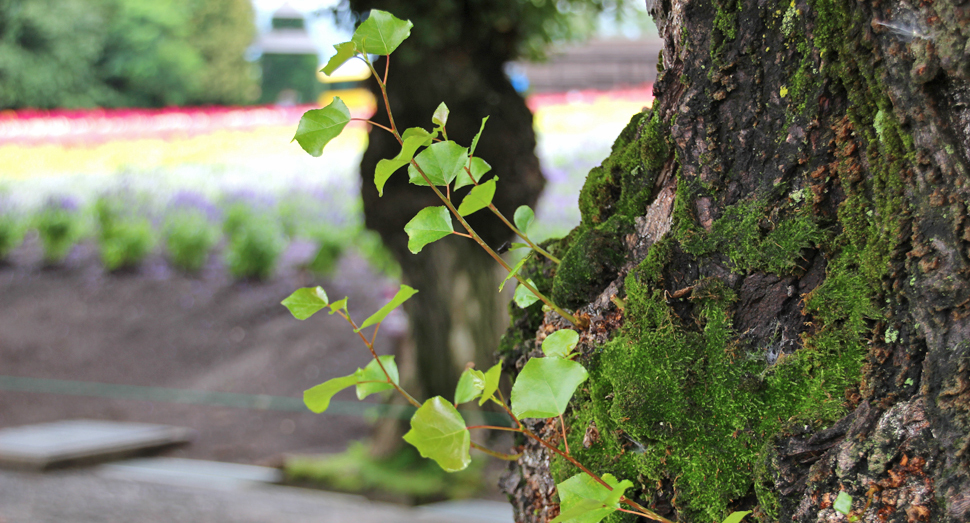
(432, 159)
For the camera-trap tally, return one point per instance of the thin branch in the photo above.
(494, 427)
(499, 455)
(462, 234)
(373, 338)
(373, 353)
(562, 424)
(372, 122)
(387, 67)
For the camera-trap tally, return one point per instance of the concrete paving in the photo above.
(171, 490)
(88, 496)
(71, 442)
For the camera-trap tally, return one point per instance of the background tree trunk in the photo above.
(785, 238)
(457, 316)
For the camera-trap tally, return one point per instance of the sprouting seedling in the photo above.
(432, 159)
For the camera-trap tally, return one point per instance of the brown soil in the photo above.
(156, 327)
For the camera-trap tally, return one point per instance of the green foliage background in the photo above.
(124, 53)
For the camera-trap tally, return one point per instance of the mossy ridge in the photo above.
(623, 183)
(614, 194)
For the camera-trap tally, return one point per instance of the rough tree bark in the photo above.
(457, 316)
(774, 262)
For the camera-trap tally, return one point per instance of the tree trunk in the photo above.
(774, 263)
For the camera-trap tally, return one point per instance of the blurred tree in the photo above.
(124, 53)
(456, 53)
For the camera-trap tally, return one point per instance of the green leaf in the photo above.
(523, 296)
(438, 432)
(544, 387)
(561, 343)
(492, 377)
(736, 517)
(319, 126)
(441, 163)
(514, 271)
(584, 500)
(317, 398)
(440, 116)
(471, 151)
(470, 385)
(345, 51)
(429, 225)
(381, 33)
(523, 218)
(402, 295)
(583, 511)
(515, 246)
(337, 305)
(477, 167)
(417, 131)
(371, 379)
(478, 198)
(414, 139)
(305, 302)
(843, 503)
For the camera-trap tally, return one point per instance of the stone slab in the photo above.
(73, 442)
(190, 472)
(472, 510)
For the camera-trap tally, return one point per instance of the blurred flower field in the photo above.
(222, 159)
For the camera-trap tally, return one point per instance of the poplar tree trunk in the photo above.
(774, 263)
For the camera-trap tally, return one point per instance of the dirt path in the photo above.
(156, 327)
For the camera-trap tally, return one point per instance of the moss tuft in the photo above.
(591, 263)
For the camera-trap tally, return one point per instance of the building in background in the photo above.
(295, 37)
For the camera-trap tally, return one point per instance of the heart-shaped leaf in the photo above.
(584, 500)
(545, 386)
(319, 126)
(381, 33)
(414, 139)
(402, 295)
(441, 162)
(560, 344)
(317, 398)
(583, 511)
(478, 198)
(477, 167)
(371, 378)
(429, 225)
(438, 432)
(305, 302)
(470, 386)
(523, 297)
(492, 377)
(523, 218)
(345, 51)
